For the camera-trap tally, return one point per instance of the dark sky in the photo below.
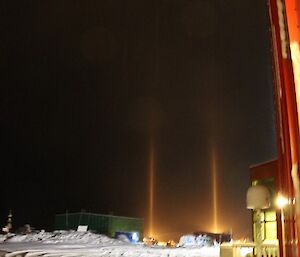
(88, 86)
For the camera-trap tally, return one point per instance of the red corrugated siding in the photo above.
(287, 119)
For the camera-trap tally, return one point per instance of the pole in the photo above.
(259, 238)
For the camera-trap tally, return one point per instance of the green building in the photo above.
(103, 224)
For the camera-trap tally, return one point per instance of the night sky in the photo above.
(89, 88)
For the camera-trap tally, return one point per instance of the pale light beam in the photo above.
(151, 190)
(214, 190)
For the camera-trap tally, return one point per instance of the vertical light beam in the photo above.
(151, 189)
(214, 190)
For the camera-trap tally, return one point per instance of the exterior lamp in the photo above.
(281, 201)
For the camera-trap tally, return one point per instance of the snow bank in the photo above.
(70, 237)
(196, 241)
(87, 244)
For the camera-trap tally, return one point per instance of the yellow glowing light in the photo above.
(161, 243)
(281, 201)
(214, 192)
(149, 241)
(151, 189)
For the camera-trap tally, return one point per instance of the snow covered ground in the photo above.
(73, 244)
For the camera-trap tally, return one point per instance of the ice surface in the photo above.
(73, 244)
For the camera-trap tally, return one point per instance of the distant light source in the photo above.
(135, 237)
(161, 243)
(281, 201)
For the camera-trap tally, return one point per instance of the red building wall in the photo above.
(285, 31)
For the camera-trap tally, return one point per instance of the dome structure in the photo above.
(258, 197)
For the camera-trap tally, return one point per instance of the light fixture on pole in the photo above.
(281, 202)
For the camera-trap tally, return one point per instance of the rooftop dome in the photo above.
(258, 197)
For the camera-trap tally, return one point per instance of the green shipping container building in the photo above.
(100, 223)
